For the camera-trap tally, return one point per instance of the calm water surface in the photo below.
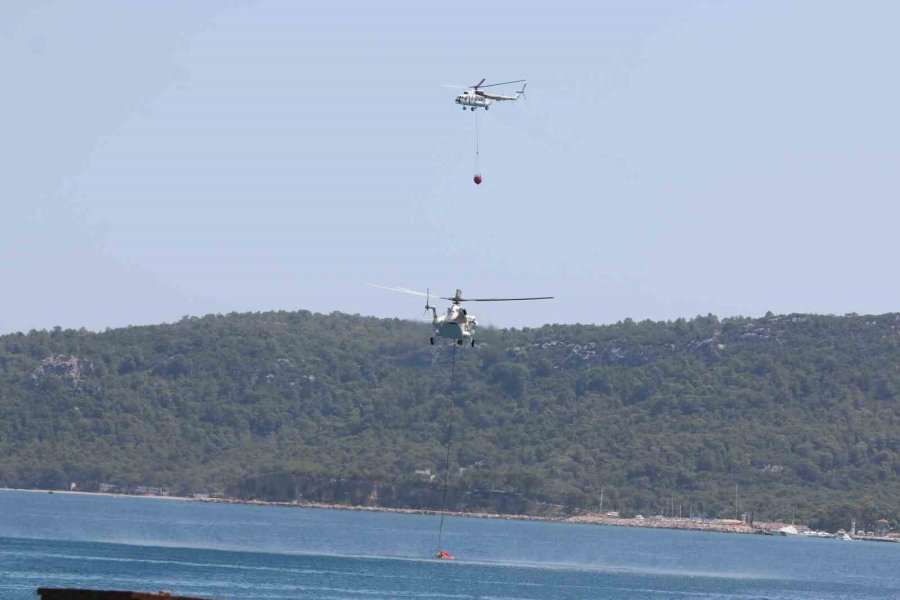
(231, 551)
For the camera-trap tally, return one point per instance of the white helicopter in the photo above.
(457, 324)
(475, 97)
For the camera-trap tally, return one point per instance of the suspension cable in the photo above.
(449, 444)
(477, 153)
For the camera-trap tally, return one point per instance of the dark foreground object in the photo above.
(73, 594)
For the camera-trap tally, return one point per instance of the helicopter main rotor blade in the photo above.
(497, 299)
(478, 85)
(402, 290)
(504, 83)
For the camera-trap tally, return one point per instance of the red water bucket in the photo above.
(477, 178)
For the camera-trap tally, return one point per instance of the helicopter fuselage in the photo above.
(472, 100)
(476, 98)
(457, 324)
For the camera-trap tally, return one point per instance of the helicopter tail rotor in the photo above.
(428, 305)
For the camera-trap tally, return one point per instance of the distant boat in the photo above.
(787, 530)
(813, 533)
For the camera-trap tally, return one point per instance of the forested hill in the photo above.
(802, 412)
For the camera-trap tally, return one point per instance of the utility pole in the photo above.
(601, 500)
(737, 514)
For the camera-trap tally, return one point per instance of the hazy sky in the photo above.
(672, 159)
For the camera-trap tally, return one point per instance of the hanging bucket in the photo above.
(477, 179)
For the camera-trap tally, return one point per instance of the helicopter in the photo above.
(474, 97)
(457, 324)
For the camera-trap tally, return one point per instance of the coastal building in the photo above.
(150, 490)
(425, 474)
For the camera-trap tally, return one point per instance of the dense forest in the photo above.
(795, 414)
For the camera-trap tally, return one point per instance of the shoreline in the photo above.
(105, 494)
(585, 519)
(730, 526)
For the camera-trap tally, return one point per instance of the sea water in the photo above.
(228, 551)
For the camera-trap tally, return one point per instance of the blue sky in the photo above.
(671, 159)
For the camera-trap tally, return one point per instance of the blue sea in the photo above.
(234, 551)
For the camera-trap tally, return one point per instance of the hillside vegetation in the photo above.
(800, 412)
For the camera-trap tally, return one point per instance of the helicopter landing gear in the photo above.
(459, 342)
(486, 107)
(431, 340)
(472, 109)
(473, 342)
